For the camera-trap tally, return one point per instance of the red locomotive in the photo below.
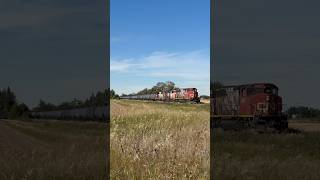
(248, 106)
(180, 95)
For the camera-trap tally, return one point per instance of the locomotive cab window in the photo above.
(255, 90)
(270, 90)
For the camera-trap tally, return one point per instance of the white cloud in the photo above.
(121, 66)
(114, 39)
(164, 64)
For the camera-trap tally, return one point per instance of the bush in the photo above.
(18, 112)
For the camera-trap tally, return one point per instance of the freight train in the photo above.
(246, 106)
(86, 114)
(180, 95)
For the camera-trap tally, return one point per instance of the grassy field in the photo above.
(155, 141)
(159, 141)
(52, 150)
(268, 156)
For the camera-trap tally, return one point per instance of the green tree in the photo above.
(216, 85)
(43, 106)
(7, 101)
(303, 112)
(113, 95)
(167, 86)
(144, 91)
(20, 111)
(14, 112)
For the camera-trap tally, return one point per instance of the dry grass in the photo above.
(205, 101)
(307, 127)
(268, 156)
(52, 150)
(159, 141)
(311, 126)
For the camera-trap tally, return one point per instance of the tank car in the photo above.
(248, 106)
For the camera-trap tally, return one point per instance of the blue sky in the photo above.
(154, 41)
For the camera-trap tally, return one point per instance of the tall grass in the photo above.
(266, 156)
(159, 141)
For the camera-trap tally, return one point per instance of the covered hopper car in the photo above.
(248, 106)
(181, 95)
(86, 114)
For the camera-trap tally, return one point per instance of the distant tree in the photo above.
(303, 112)
(24, 112)
(76, 103)
(64, 106)
(14, 112)
(167, 86)
(113, 95)
(10, 98)
(43, 106)
(204, 97)
(23, 107)
(216, 85)
(9, 106)
(144, 91)
(101, 98)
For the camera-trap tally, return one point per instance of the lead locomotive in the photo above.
(248, 106)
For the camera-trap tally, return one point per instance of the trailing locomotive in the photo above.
(181, 95)
(248, 106)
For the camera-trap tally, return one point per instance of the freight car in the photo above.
(180, 95)
(86, 114)
(246, 106)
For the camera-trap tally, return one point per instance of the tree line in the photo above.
(113, 95)
(166, 87)
(98, 99)
(303, 112)
(9, 106)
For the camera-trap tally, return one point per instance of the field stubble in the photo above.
(159, 141)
